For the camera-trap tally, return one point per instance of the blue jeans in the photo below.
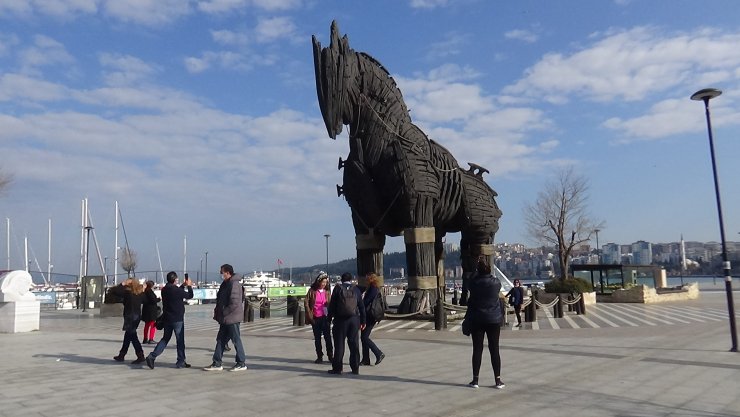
(320, 328)
(178, 328)
(228, 332)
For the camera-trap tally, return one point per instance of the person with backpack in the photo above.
(348, 313)
(375, 311)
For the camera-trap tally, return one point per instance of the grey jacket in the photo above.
(230, 297)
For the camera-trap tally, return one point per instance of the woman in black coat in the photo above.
(149, 313)
(132, 293)
(516, 299)
(368, 345)
(485, 316)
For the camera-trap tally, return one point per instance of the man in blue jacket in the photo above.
(229, 313)
(348, 321)
(173, 310)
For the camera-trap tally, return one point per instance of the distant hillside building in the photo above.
(611, 254)
(642, 253)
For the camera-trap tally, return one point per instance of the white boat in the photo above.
(258, 282)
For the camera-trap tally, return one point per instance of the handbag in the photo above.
(467, 327)
(159, 322)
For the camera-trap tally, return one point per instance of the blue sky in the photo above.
(200, 118)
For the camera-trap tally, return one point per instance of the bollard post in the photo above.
(301, 315)
(455, 298)
(533, 307)
(582, 305)
(559, 307)
(571, 298)
(296, 313)
(262, 309)
(267, 308)
(245, 317)
(250, 312)
(439, 314)
(290, 303)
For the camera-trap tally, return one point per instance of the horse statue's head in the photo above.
(335, 65)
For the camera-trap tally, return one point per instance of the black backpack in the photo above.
(346, 301)
(376, 309)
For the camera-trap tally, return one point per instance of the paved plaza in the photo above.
(652, 360)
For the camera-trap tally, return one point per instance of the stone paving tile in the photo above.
(662, 370)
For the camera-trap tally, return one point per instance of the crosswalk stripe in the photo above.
(599, 317)
(607, 311)
(636, 314)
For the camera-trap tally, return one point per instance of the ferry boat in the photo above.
(257, 283)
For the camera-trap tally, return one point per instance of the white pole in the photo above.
(185, 255)
(25, 250)
(82, 241)
(48, 263)
(159, 258)
(86, 233)
(115, 253)
(7, 238)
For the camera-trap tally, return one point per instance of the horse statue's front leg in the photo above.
(369, 256)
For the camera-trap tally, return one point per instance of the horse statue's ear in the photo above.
(341, 163)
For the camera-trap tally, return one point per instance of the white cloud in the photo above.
(125, 69)
(225, 6)
(275, 28)
(631, 65)
(428, 4)
(522, 35)
(229, 37)
(45, 52)
(54, 8)
(229, 60)
(451, 45)
(26, 90)
(672, 117)
(147, 12)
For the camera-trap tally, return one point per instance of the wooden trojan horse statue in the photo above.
(398, 181)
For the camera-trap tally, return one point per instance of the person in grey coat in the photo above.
(229, 313)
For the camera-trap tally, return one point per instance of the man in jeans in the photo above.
(173, 310)
(229, 313)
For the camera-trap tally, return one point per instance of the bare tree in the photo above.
(128, 261)
(559, 216)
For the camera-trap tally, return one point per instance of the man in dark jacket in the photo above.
(346, 327)
(229, 313)
(173, 312)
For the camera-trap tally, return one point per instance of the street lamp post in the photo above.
(205, 271)
(327, 254)
(598, 248)
(705, 95)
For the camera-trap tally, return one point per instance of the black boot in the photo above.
(120, 357)
(319, 359)
(140, 358)
(365, 362)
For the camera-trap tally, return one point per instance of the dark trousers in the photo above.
(346, 329)
(367, 344)
(321, 328)
(131, 338)
(492, 331)
(518, 312)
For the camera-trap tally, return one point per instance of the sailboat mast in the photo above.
(115, 253)
(159, 258)
(185, 255)
(48, 258)
(7, 239)
(25, 251)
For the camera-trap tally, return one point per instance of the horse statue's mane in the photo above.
(396, 179)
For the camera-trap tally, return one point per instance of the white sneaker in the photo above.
(213, 368)
(238, 367)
